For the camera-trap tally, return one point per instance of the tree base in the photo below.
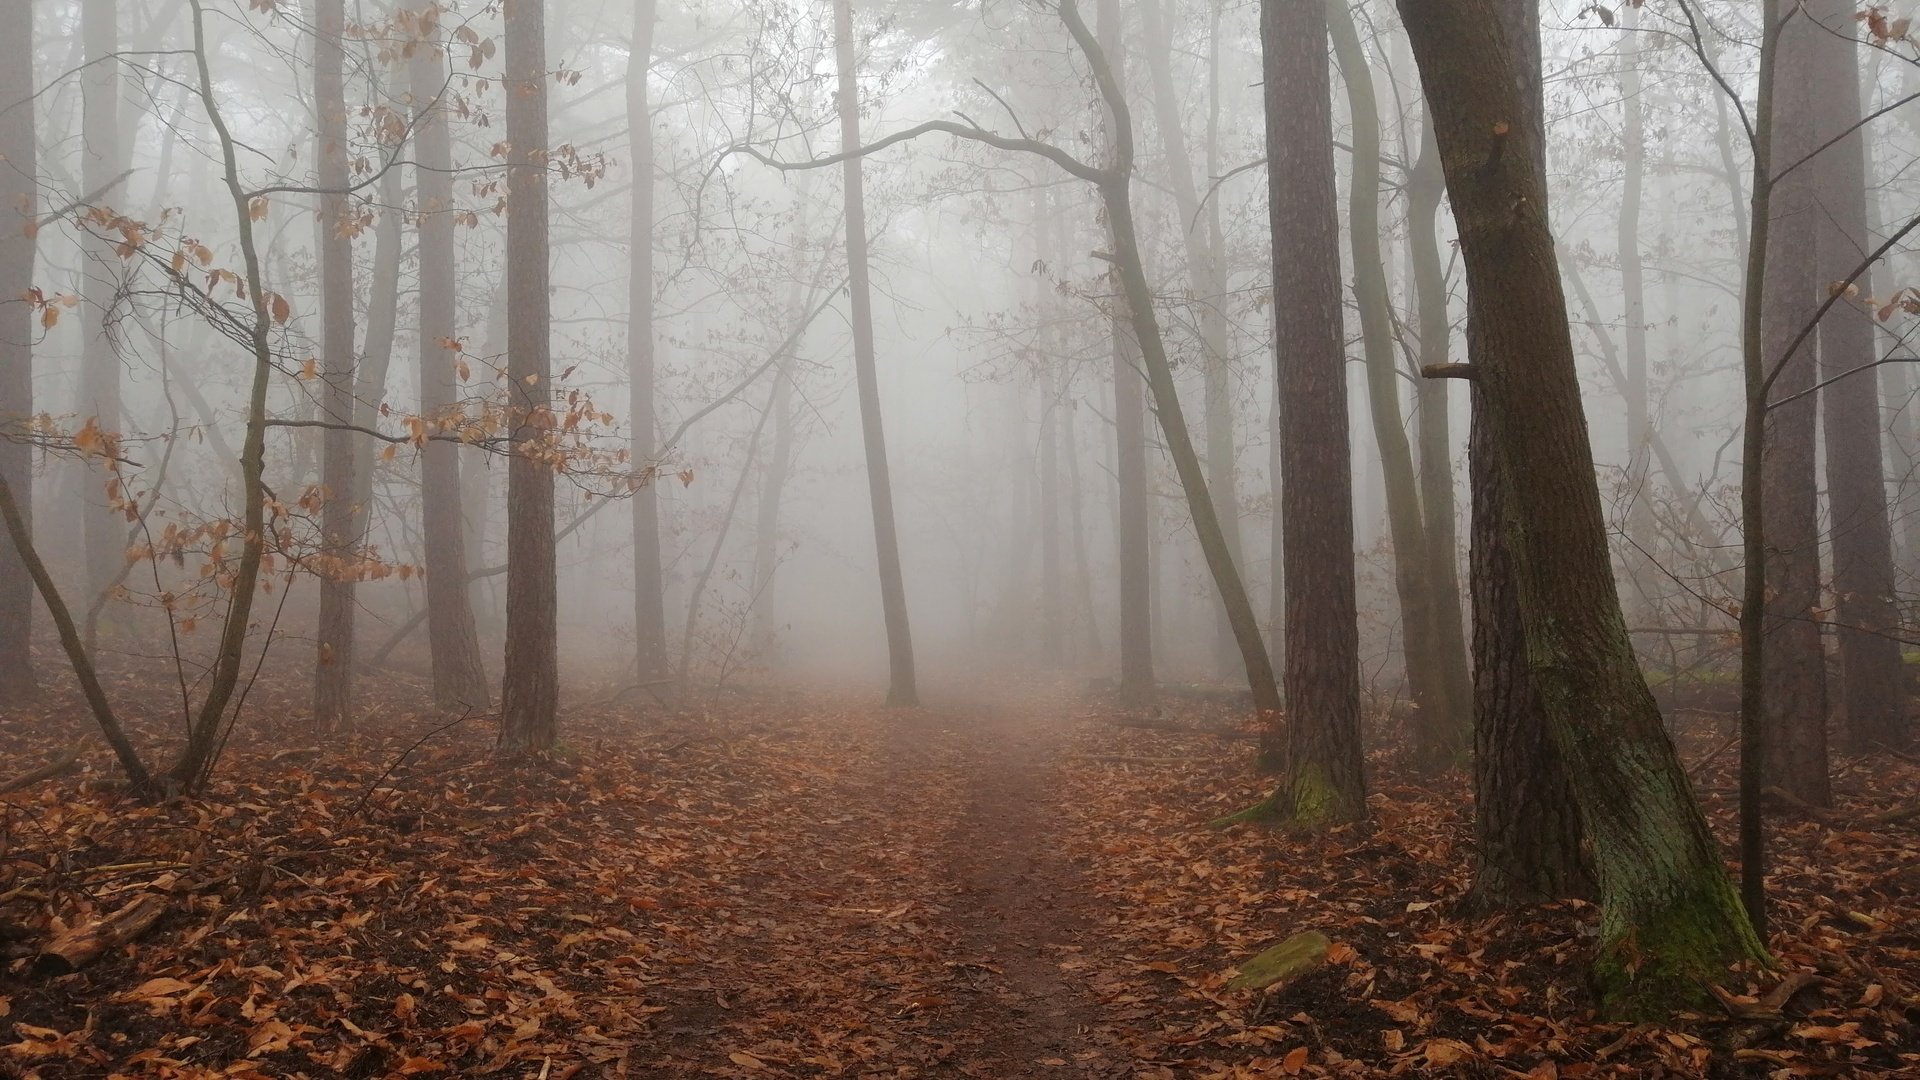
(1673, 953)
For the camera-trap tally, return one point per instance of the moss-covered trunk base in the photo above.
(1663, 957)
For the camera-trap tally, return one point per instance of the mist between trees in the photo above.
(1449, 377)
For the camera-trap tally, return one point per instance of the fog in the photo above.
(993, 312)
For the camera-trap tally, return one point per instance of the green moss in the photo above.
(1315, 802)
(1291, 958)
(1666, 960)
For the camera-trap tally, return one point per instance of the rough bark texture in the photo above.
(459, 678)
(529, 694)
(18, 204)
(649, 588)
(1526, 822)
(1325, 780)
(901, 689)
(1794, 756)
(1872, 697)
(1670, 920)
(103, 533)
(339, 521)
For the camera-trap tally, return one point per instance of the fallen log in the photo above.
(59, 766)
(82, 945)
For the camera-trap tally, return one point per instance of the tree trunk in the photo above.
(1872, 691)
(530, 691)
(103, 532)
(1795, 714)
(1641, 571)
(19, 201)
(649, 599)
(453, 643)
(1325, 781)
(901, 690)
(1670, 920)
(1203, 245)
(1442, 720)
(339, 519)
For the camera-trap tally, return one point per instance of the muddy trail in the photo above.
(798, 884)
(940, 885)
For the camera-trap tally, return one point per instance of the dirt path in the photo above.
(927, 883)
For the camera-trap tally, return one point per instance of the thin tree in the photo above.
(649, 589)
(339, 521)
(901, 688)
(530, 690)
(103, 536)
(19, 199)
(453, 644)
(1872, 690)
(1670, 919)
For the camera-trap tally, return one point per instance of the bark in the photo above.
(339, 519)
(1670, 920)
(1437, 682)
(901, 690)
(1872, 694)
(453, 643)
(19, 193)
(649, 588)
(1794, 757)
(103, 537)
(529, 694)
(1325, 781)
(1520, 779)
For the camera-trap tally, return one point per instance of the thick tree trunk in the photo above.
(1325, 780)
(1872, 694)
(339, 519)
(1795, 754)
(649, 589)
(19, 202)
(1437, 681)
(459, 678)
(1670, 920)
(901, 689)
(103, 532)
(530, 691)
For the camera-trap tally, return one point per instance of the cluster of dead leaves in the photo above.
(1413, 989)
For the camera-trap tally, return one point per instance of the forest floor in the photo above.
(792, 885)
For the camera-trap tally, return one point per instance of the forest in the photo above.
(1149, 538)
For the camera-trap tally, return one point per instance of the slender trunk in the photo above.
(1633, 160)
(339, 517)
(103, 536)
(1325, 781)
(1082, 563)
(1203, 246)
(19, 195)
(773, 478)
(901, 690)
(1872, 694)
(1795, 713)
(649, 589)
(530, 691)
(1443, 721)
(1425, 189)
(453, 643)
(699, 590)
(1670, 920)
(1052, 591)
